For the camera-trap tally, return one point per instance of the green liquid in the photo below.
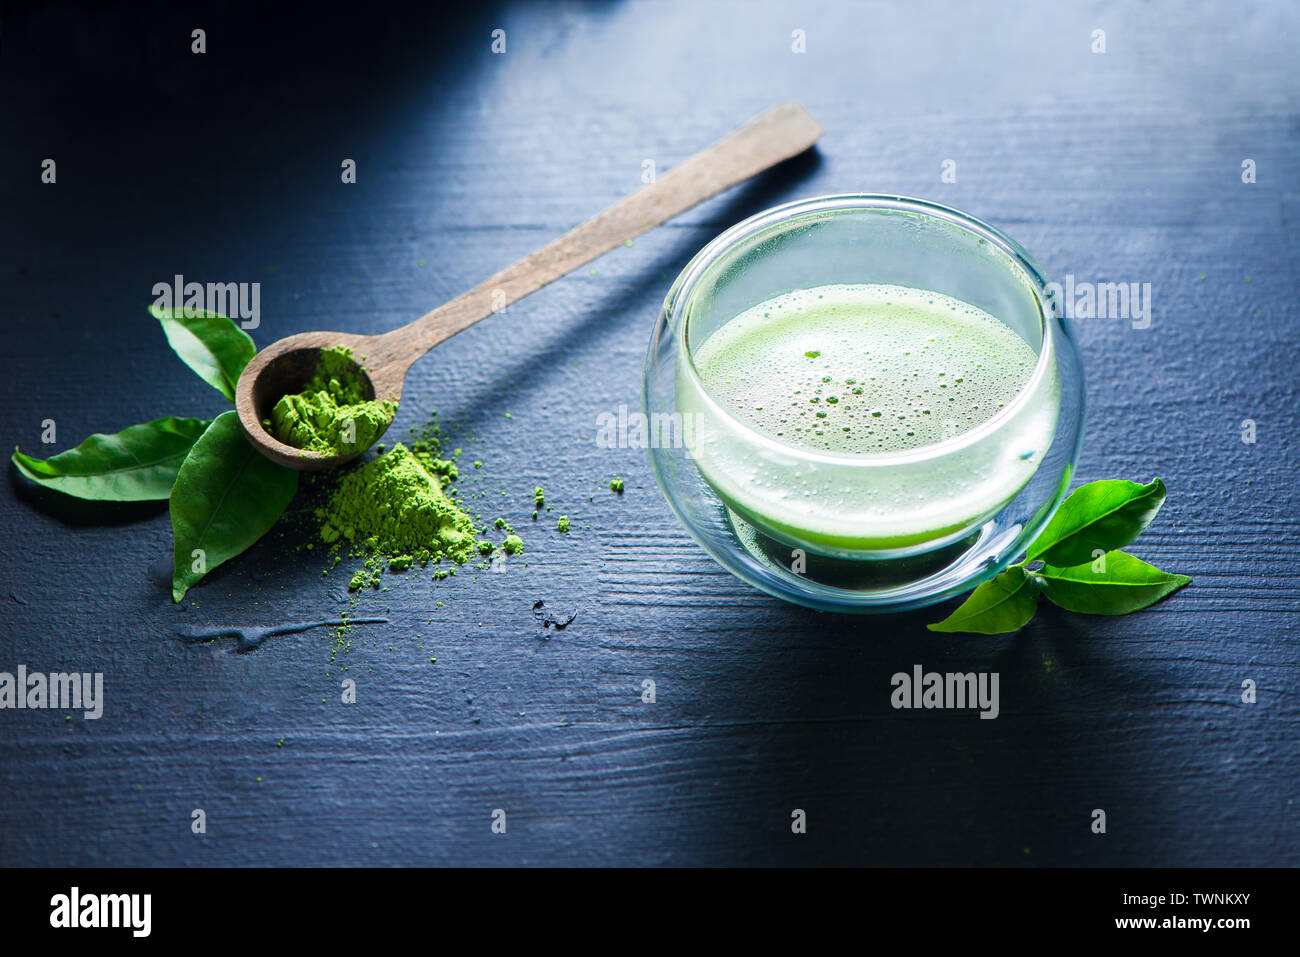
(863, 369)
(855, 371)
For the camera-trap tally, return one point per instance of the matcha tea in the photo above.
(805, 394)
(331, 416)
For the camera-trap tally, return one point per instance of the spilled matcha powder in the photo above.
(331, 415)
(397, 511)
(394, 510)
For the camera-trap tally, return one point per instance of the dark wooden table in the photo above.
(1121, 166)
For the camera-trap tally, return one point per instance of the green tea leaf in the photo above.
(138, 464)
(210, 344)
(1099, 516)
(1125, 584)
(1004, 604)
(226, 497)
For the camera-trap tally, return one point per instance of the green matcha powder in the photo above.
(395, 511)
(331, 416)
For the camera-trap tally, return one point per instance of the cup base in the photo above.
(867, 585)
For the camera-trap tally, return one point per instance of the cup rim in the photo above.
(689, 278)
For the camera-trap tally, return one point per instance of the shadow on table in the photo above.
(506, 383)
(926, 787)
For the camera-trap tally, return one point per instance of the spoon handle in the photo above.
(779, 133)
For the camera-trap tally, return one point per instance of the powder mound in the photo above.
(395, 507)
(331, 415)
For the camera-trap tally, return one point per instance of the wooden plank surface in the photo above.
(1123, 166)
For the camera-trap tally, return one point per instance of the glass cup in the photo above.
(862, 531)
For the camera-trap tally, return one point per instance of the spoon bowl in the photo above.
(284, 367)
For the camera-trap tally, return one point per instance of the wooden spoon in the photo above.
(284, 367)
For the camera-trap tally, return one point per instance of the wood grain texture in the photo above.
(1117, 167)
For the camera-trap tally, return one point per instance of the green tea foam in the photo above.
(863, 369)
(855, 371)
